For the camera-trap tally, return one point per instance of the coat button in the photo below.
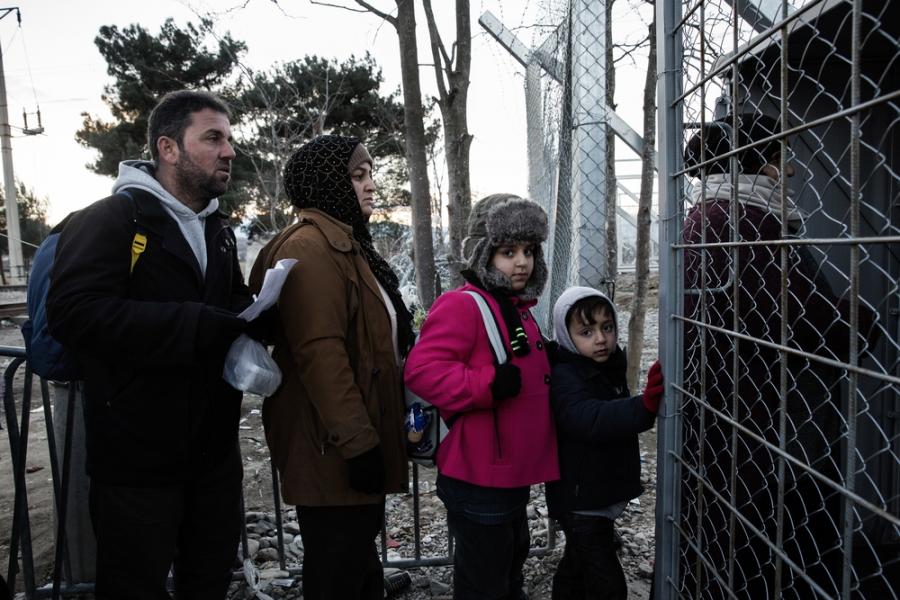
(525, 315)
(547, 379)
(540, 346)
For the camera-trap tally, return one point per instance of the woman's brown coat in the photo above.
(341, 392)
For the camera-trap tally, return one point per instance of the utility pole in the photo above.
(13, 232)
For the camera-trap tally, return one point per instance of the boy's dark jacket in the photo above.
(597, 425)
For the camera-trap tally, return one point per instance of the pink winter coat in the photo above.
(508, 444)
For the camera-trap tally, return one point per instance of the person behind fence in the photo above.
(501, 438)
(744, 283)
(597, 426)
(335, 426)
(145, 289)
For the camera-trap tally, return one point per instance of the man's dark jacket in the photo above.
(597, 426)
(157, 408)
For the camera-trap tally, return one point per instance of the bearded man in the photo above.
(145, 289)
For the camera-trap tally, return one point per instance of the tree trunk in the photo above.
(612, 195)
(457, 141)
(642, 254)
(414, 120)
(452, 77)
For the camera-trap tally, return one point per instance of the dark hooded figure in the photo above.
(334, 427)
(740, 289)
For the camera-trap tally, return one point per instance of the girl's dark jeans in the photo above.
(491, 540)
(590, 568)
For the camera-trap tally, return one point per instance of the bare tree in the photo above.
(612, 235)
(451, 72)
(645, 201)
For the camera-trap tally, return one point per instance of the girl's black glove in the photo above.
(366, 471)
(507, 381)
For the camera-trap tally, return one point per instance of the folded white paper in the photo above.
(271, 288)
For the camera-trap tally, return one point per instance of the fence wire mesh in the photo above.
(569, 143)
(780, 449)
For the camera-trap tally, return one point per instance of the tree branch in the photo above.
(438, 52)
(332, 5)
(463, 45)
(432, 29)
(630, 49)
(390, 19)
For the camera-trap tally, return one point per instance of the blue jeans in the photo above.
(590, 568)
(491, 539)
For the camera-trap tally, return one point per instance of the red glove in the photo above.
(653, 393)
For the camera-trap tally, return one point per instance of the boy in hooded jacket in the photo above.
(597, 422)
(501, 438)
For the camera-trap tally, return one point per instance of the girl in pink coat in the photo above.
(501, 437)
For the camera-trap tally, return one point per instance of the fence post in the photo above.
(588, 81)
(670, 297)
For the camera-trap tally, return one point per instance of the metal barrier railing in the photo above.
(21, 556)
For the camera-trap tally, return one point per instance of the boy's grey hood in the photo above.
(140, 174)
(563, 304)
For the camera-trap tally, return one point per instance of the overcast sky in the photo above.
(51, 61)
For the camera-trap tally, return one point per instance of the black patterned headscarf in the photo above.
(317, 176)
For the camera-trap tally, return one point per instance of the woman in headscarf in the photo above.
(334, 427)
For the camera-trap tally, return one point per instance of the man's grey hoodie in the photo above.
(141, 174)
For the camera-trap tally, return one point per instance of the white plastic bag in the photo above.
(249, 368)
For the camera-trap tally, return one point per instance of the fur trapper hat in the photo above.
(505, 219)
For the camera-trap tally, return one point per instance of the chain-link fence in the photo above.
(571, 136)
(780, 198)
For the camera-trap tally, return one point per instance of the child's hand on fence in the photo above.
(653, 393)
(507, 381)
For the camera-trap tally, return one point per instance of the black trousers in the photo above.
(488, 558)
(339, 555)
(589, 568)
(143, 532)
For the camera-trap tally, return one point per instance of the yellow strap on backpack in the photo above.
(138, 245)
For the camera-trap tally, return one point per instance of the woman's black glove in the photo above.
(507, 381)
(366, 471)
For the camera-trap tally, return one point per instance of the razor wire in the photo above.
(780, 442)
